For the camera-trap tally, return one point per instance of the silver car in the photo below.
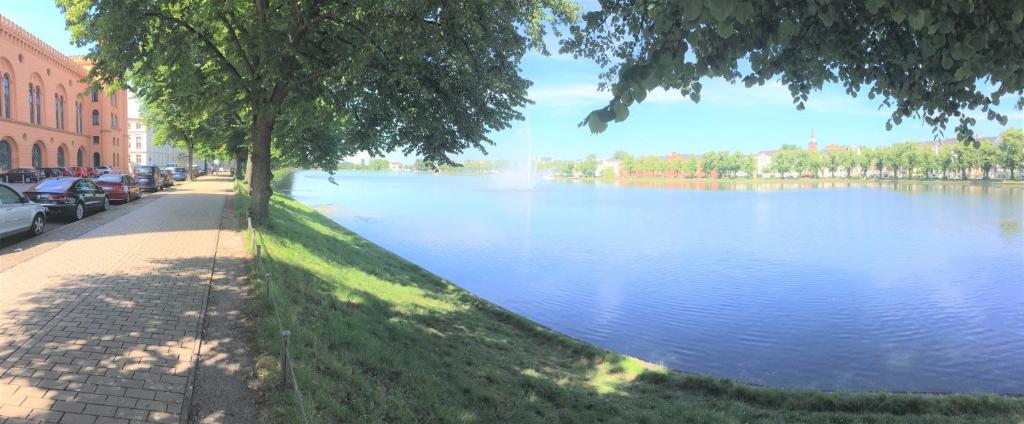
(18, 214)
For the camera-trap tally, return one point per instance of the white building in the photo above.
(764, 162)
(604, 163)
(143, 151)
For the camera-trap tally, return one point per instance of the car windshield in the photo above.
(110, 178)
(144, 170)
(22, 170)
(179, 170)
(56, 185)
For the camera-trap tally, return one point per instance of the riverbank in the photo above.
(379, 339)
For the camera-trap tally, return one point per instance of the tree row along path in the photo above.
(104, 328)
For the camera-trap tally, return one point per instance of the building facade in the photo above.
(48, 117)
(143, 151)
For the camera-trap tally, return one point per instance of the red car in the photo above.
(79, 171)
(119, 187)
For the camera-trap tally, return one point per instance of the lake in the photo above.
(860, 286)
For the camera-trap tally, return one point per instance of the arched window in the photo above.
(37, 156)
(39, 105)
(6, 85)
(60, 157)
(80, 159)
(95, 95)
(96, 160)
(95, 117)
(31, 103)
(5, 155)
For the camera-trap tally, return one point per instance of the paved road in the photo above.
(103, 328)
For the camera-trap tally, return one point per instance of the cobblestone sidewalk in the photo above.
(104, 328)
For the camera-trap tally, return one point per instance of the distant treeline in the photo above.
(903, 160)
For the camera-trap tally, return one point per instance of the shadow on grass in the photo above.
(378, 339)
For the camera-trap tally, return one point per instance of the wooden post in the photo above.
(285, 365)
(266, 282)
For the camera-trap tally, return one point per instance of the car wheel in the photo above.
(127, 195)
(79, 212)
(106, 203)
(38, 222)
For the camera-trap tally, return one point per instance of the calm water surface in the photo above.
(911, 287)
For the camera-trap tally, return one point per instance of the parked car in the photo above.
(23, 175)
(179, 174)
(79, 171)
(90, 172)
(56, 172)
(148, 177)
(168, 180)
(105, 169)
(69, 196)
(18, 214)
(119, 187)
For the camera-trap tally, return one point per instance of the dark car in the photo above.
(57, 172)
(119, 187)
(69, 196)
(149, 177)
(168, 180)
(23, 175)
(179, 174)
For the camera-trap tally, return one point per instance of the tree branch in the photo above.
(207, 42)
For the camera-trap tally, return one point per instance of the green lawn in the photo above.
(379, 339)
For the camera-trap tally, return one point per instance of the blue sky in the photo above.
(565, 90)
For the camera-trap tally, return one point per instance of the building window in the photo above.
(95, 95)
(37, 156)
(80, 157)
(95, 117)
(63, 124)
(95, 139)
(60, 157)
(96, 160)
(5, 155)
(39, 105)
(31, 103)
(138, 158)
(6, 96)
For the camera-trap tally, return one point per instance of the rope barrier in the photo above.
(287, 370)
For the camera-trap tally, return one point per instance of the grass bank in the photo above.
(377, 339)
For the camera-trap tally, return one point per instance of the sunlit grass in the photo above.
(378, 339)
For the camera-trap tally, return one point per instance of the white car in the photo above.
(103, 170)
(18, 214)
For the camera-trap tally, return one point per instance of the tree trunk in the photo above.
(241, 158)
(259, 164)
(191, 148)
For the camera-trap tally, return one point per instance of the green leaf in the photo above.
(947, 62)
(722, 9)
(873, 6)
(621, 112)
(596, 124)
(640, 95)
(725, 30)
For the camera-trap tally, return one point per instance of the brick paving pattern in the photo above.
(103, 328)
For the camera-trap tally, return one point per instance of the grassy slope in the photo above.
(379, 339)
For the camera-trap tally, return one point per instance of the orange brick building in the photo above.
(47, 116)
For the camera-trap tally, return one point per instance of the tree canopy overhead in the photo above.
(323, 77)
(932, 59)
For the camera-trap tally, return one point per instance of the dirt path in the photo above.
(225, 389)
